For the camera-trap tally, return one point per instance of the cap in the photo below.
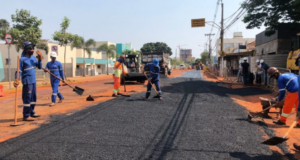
(53, 54)
(261, 61)
(245, 58)
(27, 44)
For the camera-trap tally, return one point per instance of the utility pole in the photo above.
(209, 43)
(222, 39)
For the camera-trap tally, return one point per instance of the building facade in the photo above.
(122, 47)
(73, 61)
(185, 54)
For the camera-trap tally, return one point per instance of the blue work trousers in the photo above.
(157, 86)
(266, 79)
(29, 99)
(245, 76)
(55, 92)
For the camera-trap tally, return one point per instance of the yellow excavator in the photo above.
(290, 63)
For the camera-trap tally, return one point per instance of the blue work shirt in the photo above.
(56, 69)
(265, 67)
(289, 82)
(154, 71)
(27, 69)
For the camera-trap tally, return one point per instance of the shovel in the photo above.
(152, 85)
(277, 140)
(77, 90)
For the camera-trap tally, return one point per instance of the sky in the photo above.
(133, 21)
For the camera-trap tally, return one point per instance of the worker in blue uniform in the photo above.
(153, 78)
(55, 68)
(28, 64)
(286, 82)
(297, 145)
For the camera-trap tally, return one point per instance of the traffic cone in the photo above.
(2, 94)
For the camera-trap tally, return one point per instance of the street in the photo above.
(195, 120)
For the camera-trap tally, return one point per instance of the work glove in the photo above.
(46, 70)
(39, 55)
(16, 83)
(127, 75)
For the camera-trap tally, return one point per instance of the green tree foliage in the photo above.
(109, 50)
(175, 61)
(85, 45)
(64, 38)
(271, 13)
(204, 57)
(4, 27)
(25, 28)
(198, 60)
(156, 47)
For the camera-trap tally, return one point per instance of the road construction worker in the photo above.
(265, 67)
(153, 78)
(286, 82)
(117, 73)
(239, 75)
(245, 70)
(28, 64)
(55, 68)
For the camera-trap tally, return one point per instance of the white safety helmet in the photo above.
(240, 62)
(257, 61)
(261, 61)
(245, 58)
(53, 54)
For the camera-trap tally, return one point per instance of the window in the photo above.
(98, 66)
(77, 66)
(7, 61)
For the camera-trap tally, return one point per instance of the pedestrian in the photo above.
(259, 72)
(28, 64)
(55, 68)
(153, 78)
(117, 73)
(265, 68)
(239, 75)
(286, 82)
(245, 70)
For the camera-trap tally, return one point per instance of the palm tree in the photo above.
(85, 45)
(109, 50)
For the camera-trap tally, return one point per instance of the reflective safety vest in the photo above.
(118, 69)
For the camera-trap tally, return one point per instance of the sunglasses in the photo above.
(30, 47)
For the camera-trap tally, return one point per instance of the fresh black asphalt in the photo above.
(195, 120)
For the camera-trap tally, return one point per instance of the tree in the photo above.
(204, 57)
(110, 51)
(156, 47)
(26, 28)
(271, 13)
(64, 38)
(198, 60)
(85, 45)
(4, 27)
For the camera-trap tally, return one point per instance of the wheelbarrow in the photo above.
(266, 102)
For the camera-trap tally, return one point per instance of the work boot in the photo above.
(52, 104)
(298, 125)
(60, 100)
(114, 95)
(28, 119)
(119, 93)
(278, 122)
(296, 146)
(35, 115)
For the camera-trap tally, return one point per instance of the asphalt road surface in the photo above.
(195, 120)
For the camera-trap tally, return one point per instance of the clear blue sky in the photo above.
(131, 21)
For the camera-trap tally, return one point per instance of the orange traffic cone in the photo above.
(2, 94)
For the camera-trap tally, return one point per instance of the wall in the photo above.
(278, 61)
